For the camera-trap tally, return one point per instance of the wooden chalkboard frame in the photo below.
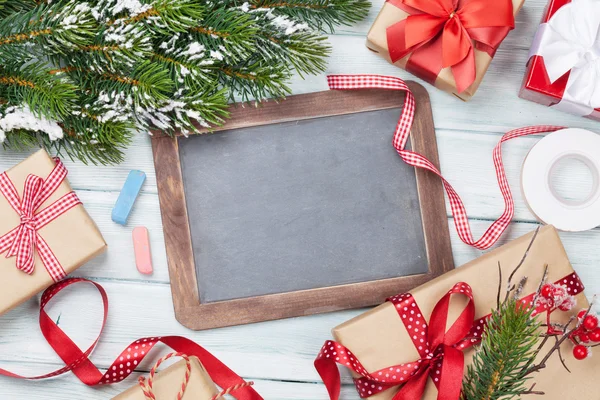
(186, 300)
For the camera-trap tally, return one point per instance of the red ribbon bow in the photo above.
(440, 34)
(78, 362)
(440, 352)
(22, 241)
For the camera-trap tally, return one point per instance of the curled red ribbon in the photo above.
(79, 363)
(440, 350)
(442, 33)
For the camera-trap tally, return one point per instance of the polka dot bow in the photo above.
(440, 352)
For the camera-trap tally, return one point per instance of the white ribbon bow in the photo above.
(570, 42)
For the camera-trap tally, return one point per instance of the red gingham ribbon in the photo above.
(461, 220)
(79, 363)
(439, 349)
(22, 241)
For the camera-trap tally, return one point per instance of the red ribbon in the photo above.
(400, 140)
(441, 33)
(22, 241)
(79, 363)
(440, 351)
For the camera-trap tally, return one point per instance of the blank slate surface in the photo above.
(301, 205)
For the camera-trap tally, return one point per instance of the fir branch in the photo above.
(56, 27)
(8, 7)
(91, 69)
(255, 81)
(511, 344)
(164, 16)
(47, 95)
(90, 140)
(200, 107)
(306, 52)
(113, 45)
(507, 351)
(146, 84)
(318, 14)
(187, 62)
(229, 32)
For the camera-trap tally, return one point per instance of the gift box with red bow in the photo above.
(418, 344)
(563, 70)
(448, 43)
(45, 233)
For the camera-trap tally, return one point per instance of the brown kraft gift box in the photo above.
(73, 236)
(379, 339)
(167, 384)
(377, 42)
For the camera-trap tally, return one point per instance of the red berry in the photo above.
(580, 352)
(581, 314)
(547, 291)
(584, 337)
(595, 335)
(590, 322)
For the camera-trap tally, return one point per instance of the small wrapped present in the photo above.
(45, 233)
(388, 349)
(563, 70)
(448, 43)
(168, 383)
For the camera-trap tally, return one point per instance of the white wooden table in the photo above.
(278, 355)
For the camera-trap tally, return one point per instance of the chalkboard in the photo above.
(284, 209)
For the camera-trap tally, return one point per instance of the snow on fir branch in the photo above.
(101, 70)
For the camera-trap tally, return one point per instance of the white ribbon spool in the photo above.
(538, 168)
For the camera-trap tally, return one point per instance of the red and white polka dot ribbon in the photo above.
(79, 363)
(440, 350)
(401, 134)
(22, 241)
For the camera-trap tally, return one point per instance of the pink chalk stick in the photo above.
(141, 247)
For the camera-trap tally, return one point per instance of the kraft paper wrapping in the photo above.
(168, 382)
(377, 42)
(73, 237)
(379, 339)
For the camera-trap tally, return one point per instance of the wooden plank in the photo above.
(71, 389)
(281, 350)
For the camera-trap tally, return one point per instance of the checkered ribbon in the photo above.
(78, 361)
(22, 241)
(440, 349)
(461, 220)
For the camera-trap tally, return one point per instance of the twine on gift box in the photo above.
(232, 389)
(147, 385)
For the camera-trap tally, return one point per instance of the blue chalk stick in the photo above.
(129, 193)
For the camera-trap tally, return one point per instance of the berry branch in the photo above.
(511, 343)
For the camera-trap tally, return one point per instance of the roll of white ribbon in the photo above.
(538, 168)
